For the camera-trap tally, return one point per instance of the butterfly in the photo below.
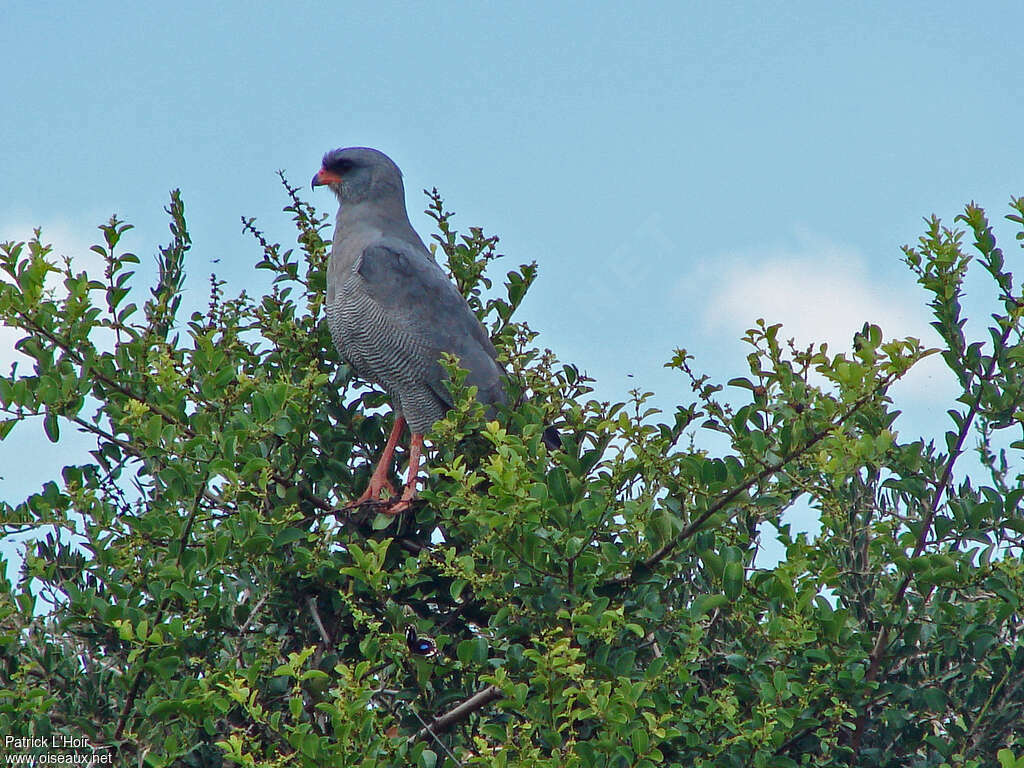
(421, 646)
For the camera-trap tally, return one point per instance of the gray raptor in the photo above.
(393, 311)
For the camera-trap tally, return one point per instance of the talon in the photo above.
(379, 480)
(400, 506)
(372, 494)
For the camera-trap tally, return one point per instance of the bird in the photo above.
(393, 312)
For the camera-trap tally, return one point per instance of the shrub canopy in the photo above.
(195, 595)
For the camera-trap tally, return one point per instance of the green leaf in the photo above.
(706, 604)
(732, 580)
(558, 486)
(640, 740)
(473, 652)
(287, 536)
(455, 590)
(51, 426)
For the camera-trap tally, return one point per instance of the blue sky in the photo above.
(677, 169)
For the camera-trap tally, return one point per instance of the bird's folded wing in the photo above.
(420, 300)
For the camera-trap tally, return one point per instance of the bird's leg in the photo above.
(379, 479)
(409, 492)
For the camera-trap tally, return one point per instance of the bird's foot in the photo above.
(390, 507)
(400, 506)
(371, 496)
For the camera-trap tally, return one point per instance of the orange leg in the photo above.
(379, 480)
(409, 492)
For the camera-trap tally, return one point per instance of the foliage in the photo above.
(195, 595)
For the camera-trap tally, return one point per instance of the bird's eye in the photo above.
(341, 165)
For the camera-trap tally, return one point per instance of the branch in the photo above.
(136, 686)
(311, 602)
(170, 418)
(882, 640)
(461, 712)
(666, 549)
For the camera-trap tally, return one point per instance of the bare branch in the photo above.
(311, 602)
(461, 712)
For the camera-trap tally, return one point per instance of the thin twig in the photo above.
(882, 640)
(311, 602)
(427, 729)
(136, 686)
(726, 499)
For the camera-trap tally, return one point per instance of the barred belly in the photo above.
(378, 351)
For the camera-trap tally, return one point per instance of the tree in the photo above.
(196, 595)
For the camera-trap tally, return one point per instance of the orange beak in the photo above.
(323, 176)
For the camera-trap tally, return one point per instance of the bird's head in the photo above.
(357, 174)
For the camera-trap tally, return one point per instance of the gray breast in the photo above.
(397, 358)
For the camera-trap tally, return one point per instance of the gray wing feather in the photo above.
(420, 300)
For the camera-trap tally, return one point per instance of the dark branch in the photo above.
(458, 714)
(723, 501)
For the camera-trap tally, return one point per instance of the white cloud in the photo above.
(822, 291)
(819, 292)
